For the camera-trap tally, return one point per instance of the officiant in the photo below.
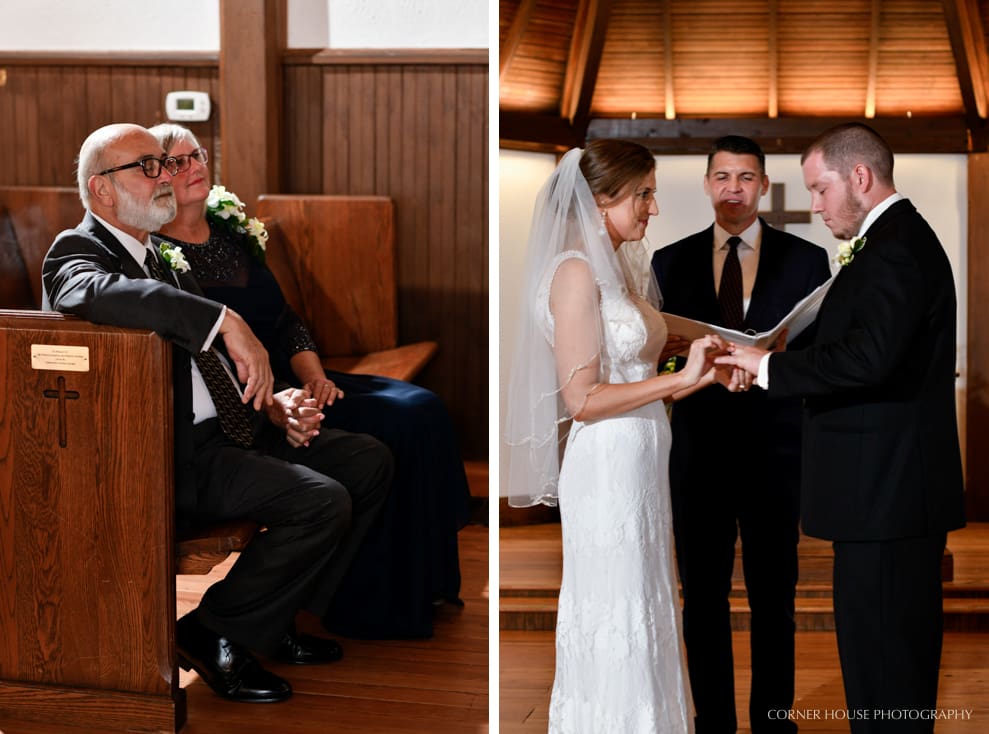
(742, 274)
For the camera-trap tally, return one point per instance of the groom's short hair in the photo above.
(739, 146)
(845, 146)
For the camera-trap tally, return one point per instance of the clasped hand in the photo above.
(297, 413)
(704, 358)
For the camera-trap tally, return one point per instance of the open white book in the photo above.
(802, 316)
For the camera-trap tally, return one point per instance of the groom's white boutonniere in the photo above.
(848, 250)
(172, 254)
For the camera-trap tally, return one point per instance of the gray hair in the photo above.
(92, 155)
(168, 134)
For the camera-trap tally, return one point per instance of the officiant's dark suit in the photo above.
(735, 468)
(881, 462)
(315, 501)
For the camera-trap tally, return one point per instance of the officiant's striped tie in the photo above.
(231, 412)
(730, 290)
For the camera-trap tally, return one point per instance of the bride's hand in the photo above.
(701, 357)
(675, 344)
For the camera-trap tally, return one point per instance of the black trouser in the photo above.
(889, 622)
(316, 504)
(708, 514)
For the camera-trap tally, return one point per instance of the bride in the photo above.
(589, 342)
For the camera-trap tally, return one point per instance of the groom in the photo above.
(881, 465)
(760, 438)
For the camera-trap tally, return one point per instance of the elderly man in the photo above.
(239, 452)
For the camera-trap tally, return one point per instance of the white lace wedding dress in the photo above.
(620, 666)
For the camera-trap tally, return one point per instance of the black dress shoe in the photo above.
(307, 650)
(228, 668)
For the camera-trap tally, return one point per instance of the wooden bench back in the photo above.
(334, 257)
(30, 218)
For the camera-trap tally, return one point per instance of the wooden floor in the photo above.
(527, 657)
(388, 687)
(400, 687)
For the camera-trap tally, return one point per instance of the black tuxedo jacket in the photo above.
(88, 272)
(881, 456)
(789, 269)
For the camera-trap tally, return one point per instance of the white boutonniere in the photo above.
(225, 208)
(172, 254)
(848, 250)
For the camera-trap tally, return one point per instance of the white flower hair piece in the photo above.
(226, 209)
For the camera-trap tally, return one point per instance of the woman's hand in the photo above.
(324, 391)
(675, 344)
(701, 357)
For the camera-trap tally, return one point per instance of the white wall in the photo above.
(109, 25)
(937, 185)
(194, 25)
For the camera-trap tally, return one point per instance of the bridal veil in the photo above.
(567, 223)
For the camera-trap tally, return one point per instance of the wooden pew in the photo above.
(87, 549)
(334, 257)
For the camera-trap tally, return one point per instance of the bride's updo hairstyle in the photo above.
(611, 167)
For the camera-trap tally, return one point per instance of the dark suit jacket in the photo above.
(88, 272)
(881, 456)
(789, 269)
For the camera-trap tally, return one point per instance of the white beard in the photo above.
(147, 217)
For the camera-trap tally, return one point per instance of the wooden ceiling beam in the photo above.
(584, 61)
(968, 45)
(873, 72)
(783, 134)
(520, 130)
(514, 36)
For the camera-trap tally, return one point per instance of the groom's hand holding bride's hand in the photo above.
(748, 358)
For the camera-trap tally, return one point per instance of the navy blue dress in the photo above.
(409, 561)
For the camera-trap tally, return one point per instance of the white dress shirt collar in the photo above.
(135, 248)
(751, 236)
(877, 211)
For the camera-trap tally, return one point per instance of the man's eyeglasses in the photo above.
(199, 155)
(152, 167)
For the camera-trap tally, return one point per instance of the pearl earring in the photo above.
(604, 222)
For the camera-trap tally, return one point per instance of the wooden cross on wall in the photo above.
(62, 395)
(778, 216)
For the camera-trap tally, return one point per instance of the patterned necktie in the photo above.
(730, 290)
(231, 412)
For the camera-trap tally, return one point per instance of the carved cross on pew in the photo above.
(62, 395)
(778, 216)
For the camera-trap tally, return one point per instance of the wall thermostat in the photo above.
(187, 106)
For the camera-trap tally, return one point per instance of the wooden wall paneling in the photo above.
(414, 130)
(977, 404)
(26, 126)
(471, 229)
(303, 142)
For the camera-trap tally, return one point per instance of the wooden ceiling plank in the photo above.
(774, 60)
(584, 61)
(870, 90)
(968, 45)
(670, 98)
(522, 130)
(514, 36)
